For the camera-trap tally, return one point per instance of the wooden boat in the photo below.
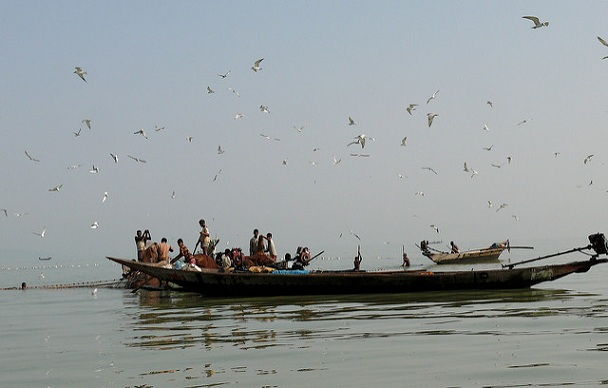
(216, 283)
(472, 256)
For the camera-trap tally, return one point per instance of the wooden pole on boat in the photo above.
(510, 266)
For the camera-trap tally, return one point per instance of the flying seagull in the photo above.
(220, 150)
(420, 193)
(435, 227)
(587, 159)
(256, 65)
(74, 166)
(356, 235)
(216, 175)
(496, 165)
(105, 197)
(336, 160)
(474, 172)
(490, 103)
(234, 91)
(410, 108)
(502, 206)
(284, 162)
(490, 204)
(56, 188)
(238, 116)
(485, 128)
(430, 117)
(360, 140)
(79, 71)
(602, 41)
(351, 121)
(30, 157)
(41, 234)
(466, 168)
(264, 108)
(141, 132)
(94, 170)
(209, 90)
(432, 97)
(5, 211)
(509, 158)
(94, 225)
(404, 142)
(87, 122)
(173, 195)
(114, 157)
(361, 155)
(299, 129)
(224, 75)
(138, 160)
(189, 139)
(515, 217)
(157, 128)
(76, 134)
(556, 154)
(488, 148)
(429, 169)
(522, 122)
(536, 21)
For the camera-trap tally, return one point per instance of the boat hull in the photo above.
(352, 282)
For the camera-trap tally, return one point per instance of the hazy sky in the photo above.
(149, 63)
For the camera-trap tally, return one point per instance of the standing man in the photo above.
(271, 248)
(253, 242)
(204, 239)
(163, 250)
(140, 241)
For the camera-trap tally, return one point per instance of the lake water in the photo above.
(554, 334)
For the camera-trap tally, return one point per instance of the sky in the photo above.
(149, 64)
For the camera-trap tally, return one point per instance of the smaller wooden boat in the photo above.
(466, 257)
(480, 255)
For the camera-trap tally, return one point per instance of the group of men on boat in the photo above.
(262, 253)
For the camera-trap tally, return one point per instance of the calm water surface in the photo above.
(554, 334)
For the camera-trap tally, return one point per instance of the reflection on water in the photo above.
(179, 320)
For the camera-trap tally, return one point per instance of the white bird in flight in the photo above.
(361, 139)
(410, 108)
(496, 165)
(238, 116)
(502, 206)
(114, 157)
(74, 166)
(356, 235)
(234, 91)
(157, 128)
(430, 117)
(79, 71)
(189, 139)
(256, 65)
(490, 103)
(138, 160)
(474, 172)
(94, 170)
(420, 193)
(488, 148)
(87, 122)
(5, 211)
(466, 168)
(41, 234)
(141, 132)
(602, 41)
(209, 90)
(587, 159)
(76, 134)
(404, 142)
(223, 76)
(284, 162)
(435, 227)
(432, 97)
(56, 188)
(522, 122)
(536, 21)
(515, 217)
(217, 175)
(220, 150)
(429, 169)
(351, 121)
(264, 108)
(30, 157)
(173, 195)
(336, 160)
(485, 128)
(94, 225)
(299, 129)
(105, 197)
(490, 204)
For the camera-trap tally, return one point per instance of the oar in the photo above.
(315, 256)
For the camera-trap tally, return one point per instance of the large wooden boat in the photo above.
(214, 282)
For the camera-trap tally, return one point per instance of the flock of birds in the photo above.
(362, 140)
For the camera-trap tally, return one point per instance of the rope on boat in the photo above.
(116, 283)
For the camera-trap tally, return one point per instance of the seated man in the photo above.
(183, 253)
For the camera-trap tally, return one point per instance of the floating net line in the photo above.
(115, 283)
